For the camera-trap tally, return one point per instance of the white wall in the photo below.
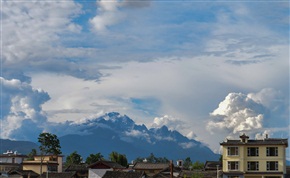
(98, 173)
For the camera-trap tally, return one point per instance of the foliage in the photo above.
(138, 160)
(32, 154)
(119, 158)
(152, 159)
(92, 158)
(73, 158)
(221, 158)
(49, 144)
(187, 162)
(197, 165)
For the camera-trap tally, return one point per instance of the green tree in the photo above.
(32, 154)
(138, 160)
(151, 158)
(92, 158)
(162, 160)
(73, 158)
(49, 144)
(119, 158)
(187, 163)
(221, 158)
(197, 175)
(197, 165)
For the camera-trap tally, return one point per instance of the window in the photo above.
(233, 151)
(253, 166)
(272, 151)
(272, 165)
(52, 168)
(253, 151)
(233, 165)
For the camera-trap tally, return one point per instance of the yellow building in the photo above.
(49, 163)
(246, 158)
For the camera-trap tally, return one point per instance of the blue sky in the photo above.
(210, 69)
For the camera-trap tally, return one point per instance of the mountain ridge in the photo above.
(115, 132)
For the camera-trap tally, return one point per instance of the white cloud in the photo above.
(237, 113)
(251, 114)
(187, 145)
(31, 29)
(21, 105)
(169, 121)
(109, 12)
(191, 135)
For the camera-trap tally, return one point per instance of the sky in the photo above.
(208, 69)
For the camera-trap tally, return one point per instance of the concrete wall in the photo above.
(243, 158)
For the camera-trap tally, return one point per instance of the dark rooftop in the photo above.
(76, 167)
(266, 141)
(58, 175)
(120, 174)
(23, 173)
(110, 164)
(148, 166)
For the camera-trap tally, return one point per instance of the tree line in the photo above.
(49, 144)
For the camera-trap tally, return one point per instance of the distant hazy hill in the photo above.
(23, 147)
(114, 132)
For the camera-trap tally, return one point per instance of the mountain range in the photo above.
(116, 132)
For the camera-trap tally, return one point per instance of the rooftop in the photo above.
(265, 141)
(257, 142)
(147, 166)
(109, 164)
(120, 174)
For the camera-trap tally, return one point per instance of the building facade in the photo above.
(11, 160)
(49, 163)
(246, 158)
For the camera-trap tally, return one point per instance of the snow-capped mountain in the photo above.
(115, 132)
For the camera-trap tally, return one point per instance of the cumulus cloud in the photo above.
(237, 113)
(251, 113)
(21, 109)
(109, 12)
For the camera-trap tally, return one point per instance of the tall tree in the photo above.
(49, 144)
(32, 154)
(119, 158)
(151, 158)
(92, 158)
(187, 163)
(73, 158)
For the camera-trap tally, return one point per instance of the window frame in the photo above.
(236, 151)
(251, 163)
(256, 152)
(268, 151)
(236, 165)
(268, 164)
